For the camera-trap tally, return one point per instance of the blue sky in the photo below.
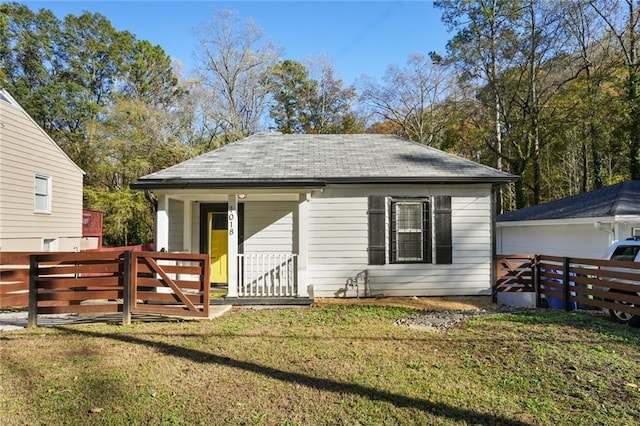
(359, 37)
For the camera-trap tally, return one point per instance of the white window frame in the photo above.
(400, 231)
(46, 196)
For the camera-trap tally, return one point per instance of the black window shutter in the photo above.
(426, 233)
(376, 230)
(393, 236)
(442, 230)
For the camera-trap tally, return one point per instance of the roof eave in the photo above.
(178, 183)
(224, 184)
(422, 179)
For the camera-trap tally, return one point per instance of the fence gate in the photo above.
(174, 284)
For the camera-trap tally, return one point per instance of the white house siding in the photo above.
(24, 151)
(269, 227)
(176, 214)
(571, 240)
(338, 238)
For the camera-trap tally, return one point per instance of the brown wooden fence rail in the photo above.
(514, 273)
(76, 283)
(170, 284)
(14, 279)
(105, 282)
(567, 283)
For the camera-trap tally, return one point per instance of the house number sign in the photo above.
(230, 223)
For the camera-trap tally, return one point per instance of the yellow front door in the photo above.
(218, 243)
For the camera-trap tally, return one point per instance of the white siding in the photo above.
(269, 227)
(176, 215)
(579, 240)
(195, 228)
(338, 235)
(24, 151)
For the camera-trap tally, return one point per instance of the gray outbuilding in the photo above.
(582, 225)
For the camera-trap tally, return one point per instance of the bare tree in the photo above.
(410, 97)
(330, 108)
(232, 62)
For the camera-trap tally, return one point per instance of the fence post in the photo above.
(535, 276)
(565, 284)
(126, 291)
(32, 318)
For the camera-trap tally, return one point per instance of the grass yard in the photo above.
(324, 365)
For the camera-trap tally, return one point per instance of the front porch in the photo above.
(256, 240)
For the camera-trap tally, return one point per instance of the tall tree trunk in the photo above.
(533, 106)
(496, 102)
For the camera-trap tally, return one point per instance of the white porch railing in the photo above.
(267, 275)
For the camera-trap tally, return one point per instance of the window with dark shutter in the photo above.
(376, 230)
(413, 238)
(410, 237)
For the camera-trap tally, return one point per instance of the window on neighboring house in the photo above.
(50, 244)
(42, 191)
(419, 230)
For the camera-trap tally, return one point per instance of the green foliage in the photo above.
(306, 105)
(551, 83)
(113, 104)
(292, 91)
(128, 217)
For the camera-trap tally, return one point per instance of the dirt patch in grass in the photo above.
(457, 303)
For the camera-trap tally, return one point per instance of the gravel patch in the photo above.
(441, 321)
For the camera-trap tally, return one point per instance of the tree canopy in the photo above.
(545, 89)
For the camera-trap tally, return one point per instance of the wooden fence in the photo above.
(14, 279)
(567, 283)
(106, 282)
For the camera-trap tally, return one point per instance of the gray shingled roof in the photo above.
(617, 200)
(273, 159)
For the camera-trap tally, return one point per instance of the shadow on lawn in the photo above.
(593, 321)
(435, 408)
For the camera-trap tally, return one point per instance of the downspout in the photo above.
(612, 233)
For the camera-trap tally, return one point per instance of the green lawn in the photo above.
(329, 365)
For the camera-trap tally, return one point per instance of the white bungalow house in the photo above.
(582, 225)
(40, 187)
(332, 216)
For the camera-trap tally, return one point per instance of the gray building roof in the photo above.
(617, 200)
(273, 159)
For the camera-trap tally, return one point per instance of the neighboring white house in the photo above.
(40, 187)
(583, 225)
(332, 216)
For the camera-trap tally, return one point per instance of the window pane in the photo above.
(219, 221)
(42, 204)
(409, 216)
(42, 185)
(409, 245)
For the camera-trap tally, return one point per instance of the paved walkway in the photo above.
(18, 320)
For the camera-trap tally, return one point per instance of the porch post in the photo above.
(232, 253)
(162, 224)
(303, 228)
(186, 226)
